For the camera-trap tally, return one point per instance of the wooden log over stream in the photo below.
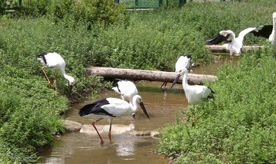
(135, 74)
(220, 48)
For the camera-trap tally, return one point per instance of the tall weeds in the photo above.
(239, 125)
(30, 111)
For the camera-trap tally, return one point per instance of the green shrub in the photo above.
(29, 117)
(95, 11)
(145, 40)
(34, 7)
(239, 125)
(88, 11)
(28, 38)
(29, 110)
(209, 18)
(148, 43)
(61, 8)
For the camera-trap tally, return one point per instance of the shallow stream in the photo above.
(73, 148)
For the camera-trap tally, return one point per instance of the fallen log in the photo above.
(221, 48)
(135, 74)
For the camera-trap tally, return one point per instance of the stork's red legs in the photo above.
(46, 76)
(194, 120)
(93, 123)
(56, 82)
(109, 134)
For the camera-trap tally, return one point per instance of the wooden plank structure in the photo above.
(135, 74)
(221, 48)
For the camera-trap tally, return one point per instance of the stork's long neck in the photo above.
(131, 101)
(185, 81)
(274, 24)
(272, 35)
(65, 75)
(134, 105)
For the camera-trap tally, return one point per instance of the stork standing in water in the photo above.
(195, 94)
(127, 89)
(183, 61)
(55, 61)
(111, 108)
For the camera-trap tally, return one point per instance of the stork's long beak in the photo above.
(144, 109)
(175, 80)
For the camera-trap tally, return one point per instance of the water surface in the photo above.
(162, 105)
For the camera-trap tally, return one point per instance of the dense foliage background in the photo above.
(101, 33)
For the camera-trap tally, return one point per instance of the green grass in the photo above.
(29, 117)
(31, 113)
(238, 126)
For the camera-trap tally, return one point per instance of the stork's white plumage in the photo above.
(195, 94)
(273, 33)
(55, 61)
(183, 61)
(234, 44)
(126, 89)
(110, 108)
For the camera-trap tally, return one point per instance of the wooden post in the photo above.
(135, 74)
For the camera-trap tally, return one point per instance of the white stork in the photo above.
(183, 61)
(55, 61)
(126, 89)
(111, 108)
(234, 45)
(195, 94)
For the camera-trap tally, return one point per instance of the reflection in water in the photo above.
(165, 94)
(83, 148)
(125, 148)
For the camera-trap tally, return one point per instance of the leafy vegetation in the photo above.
(29, 117)
(105, 34)
(90, 11)
(239, 125)
(30, 112)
